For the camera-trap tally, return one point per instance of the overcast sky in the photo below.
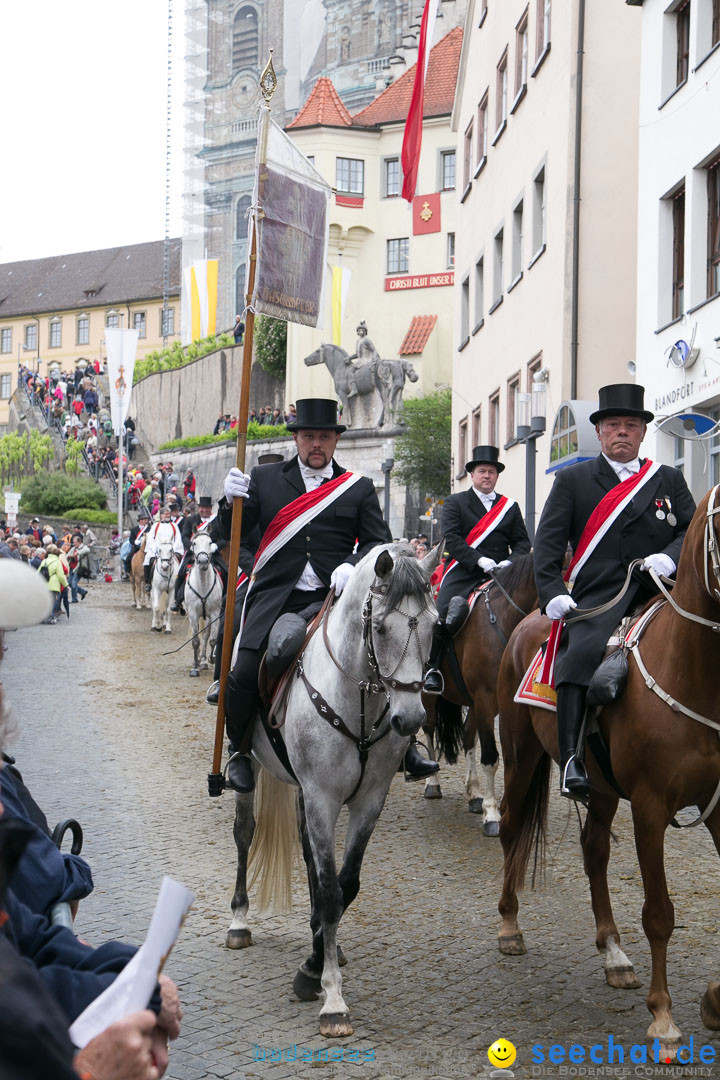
(83, 91)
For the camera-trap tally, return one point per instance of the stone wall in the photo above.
(360, 451)
(186, 401)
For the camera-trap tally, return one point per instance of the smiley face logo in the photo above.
(502, 1054)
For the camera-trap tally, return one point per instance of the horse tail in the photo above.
(449, 729)
(531, 834)
(276, 845)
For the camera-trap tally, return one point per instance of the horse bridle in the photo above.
(375, 685)
(492, 617)
(203, 597)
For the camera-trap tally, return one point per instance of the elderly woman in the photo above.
(53, 571)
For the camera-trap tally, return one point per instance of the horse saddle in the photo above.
(288, 637)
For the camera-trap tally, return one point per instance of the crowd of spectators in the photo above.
(150, 489)
(266, 416)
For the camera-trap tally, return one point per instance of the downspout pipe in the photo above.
(575, 300)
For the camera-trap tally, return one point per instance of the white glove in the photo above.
(503, 564)
(340, 576)
(660, 563)
(486, 564)
(236, 485)
(558, 607)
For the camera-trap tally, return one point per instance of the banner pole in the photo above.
(216, 780)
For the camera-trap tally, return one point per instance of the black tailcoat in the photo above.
(326, 541)
(460, 514)
(636, 533)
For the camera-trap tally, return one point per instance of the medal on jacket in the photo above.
(671, 519)
(659, 513)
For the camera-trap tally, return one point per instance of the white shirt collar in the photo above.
(314, 477)
(623, 468)
(486, 500)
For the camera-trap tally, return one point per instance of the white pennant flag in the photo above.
(121, 351)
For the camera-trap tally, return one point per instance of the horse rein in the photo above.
(488, 606)
(202, 598)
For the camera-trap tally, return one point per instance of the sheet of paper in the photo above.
(133, 987)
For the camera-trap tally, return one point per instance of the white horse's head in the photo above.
(389, 602)
(166, 554)
(203, 549)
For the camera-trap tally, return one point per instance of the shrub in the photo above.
(175, 356)
(97, 517)
(54, 493)
(271, 345)
(255, 431)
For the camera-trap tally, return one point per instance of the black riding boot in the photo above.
(416, 766)
(240, 709)
(147, 571)
(177, 604)
(434, 682)
(574, 782)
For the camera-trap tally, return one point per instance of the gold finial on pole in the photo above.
(268, 81)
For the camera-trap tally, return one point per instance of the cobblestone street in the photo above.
(118, 735)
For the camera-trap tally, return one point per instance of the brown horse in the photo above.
(479, 647)
(663, 758)
(137, 577)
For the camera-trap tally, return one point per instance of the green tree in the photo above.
(270, 342)
(423, 451)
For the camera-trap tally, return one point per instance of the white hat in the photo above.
(26, 599)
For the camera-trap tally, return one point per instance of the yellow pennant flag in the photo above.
(340, 285)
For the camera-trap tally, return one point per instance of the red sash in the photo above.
(286, 519)
(484, 526)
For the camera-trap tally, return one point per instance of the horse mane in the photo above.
(408, 579)
(518, 574)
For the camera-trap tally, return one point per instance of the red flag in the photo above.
(412, 140)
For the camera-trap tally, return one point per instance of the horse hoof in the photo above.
(306, 987)
(204, 666)
(335, 1025)
(238, 939)
(168, 630)
(491, 828)
(475, 806)
(708, 1015)
(194, 673)
(669, 1049)
(342, 960)
(158, 628)
(432, 792)
(512, 945)
(624, 978)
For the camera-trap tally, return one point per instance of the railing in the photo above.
(376, 66)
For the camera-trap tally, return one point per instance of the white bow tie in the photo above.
(315, 477)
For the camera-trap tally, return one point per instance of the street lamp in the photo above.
(387, 467)
(530, 413)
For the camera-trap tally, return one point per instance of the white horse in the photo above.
(352, 707)
(163, 583)
(203, 599)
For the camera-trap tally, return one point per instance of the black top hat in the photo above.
(621, 399)
(270, 459)
(317, 414)
(485, 455)
(204, 500)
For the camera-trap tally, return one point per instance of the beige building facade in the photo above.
(400, 255)
(546, 222)
(54, 311)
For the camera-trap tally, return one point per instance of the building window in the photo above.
(392, 177)
(479, 292)
(521, 53)
(245, 39)
(494, 418)
(465, 312)
(112, 319)
(462, 446)
(539, 212)
(476, 426)
(713, 265)
(5, 386)
(501, 87)
(543, 26)
(517, 248)
(398, 252)
(167, 322)
(350, 176)
(240, 289)
(679, 454)
(31, 336)
(564, 441)
(450, 250)
(513, 389)
(447, 170)
(678, 259)
(82, 330)
(55, 334)
(715, 32)
(241, 219)
(682, 28)
(482, 140)
(140, 323)
(498, 267)
(467, 156)
(311, 158)
(534, 365)
(6, 339)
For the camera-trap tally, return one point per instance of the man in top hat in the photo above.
(203, 520)
(307, 561)
(483, 530)
(611, 510)
(164, 531)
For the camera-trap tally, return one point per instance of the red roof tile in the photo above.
(323, 108)
(393, 103)
(414, 342)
